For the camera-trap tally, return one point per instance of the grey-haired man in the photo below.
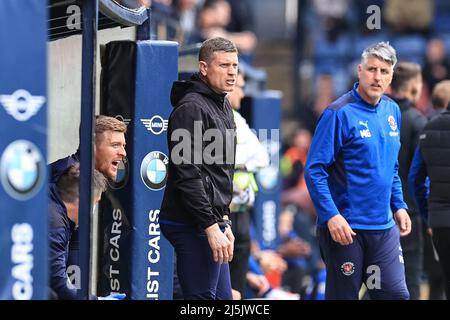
(352, 176)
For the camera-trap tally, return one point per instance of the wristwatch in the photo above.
(225, 223)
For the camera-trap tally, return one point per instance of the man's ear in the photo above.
(203, 68)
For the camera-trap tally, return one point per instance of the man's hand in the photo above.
(219, 243)
(403, 222)
(271, 261)
(340, 230)
(258, 282)
(236, 295)
(229, 234)
(295, 248)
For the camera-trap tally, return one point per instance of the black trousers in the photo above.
(433, 269)
(412, 246)
(441, 241)
(239, 264)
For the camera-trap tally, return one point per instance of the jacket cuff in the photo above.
(207, 223)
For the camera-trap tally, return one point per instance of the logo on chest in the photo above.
(393, 125)
(364, 129)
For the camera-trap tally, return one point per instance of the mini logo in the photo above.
(392, 123)
(348, 268)
(364, 132)
(156, 124)
(154, 170)
(22, 169)
(21, 105)
(124, 120)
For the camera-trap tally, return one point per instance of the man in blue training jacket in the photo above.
(352, 176)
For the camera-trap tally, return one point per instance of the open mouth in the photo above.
(115, 164)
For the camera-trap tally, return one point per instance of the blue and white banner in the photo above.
(138, 260)
(23, 150)
(263, 112)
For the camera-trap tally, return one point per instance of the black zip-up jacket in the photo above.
(435, 148)
(199, 190)
(412, 125)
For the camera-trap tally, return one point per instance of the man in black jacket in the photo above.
(201, 139)
(406, 88)
(432, 159)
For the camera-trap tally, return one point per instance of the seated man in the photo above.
(109, 152)
(63, 220)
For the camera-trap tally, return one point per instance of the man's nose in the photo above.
(377, 75)
(122, 152)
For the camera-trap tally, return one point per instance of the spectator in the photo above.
(432, 160)
(440, 97)
(251, 155)
(241, 16)
(437, 65)
(332, 14)
(295, 251)
(63, 219)
(295, 191)
(214, 16)
(260, 287)
(186, 13)
(406, 89)
(242, 21)
(324, 95)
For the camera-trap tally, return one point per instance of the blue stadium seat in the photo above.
(329, 56)
(441, 6)
(441, 22)
(410, 48)
(362, 42)
(441, 19)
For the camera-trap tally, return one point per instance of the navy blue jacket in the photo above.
(429, 175)
(59, 166)
(352, 165)
(60, 230)
(56, 169)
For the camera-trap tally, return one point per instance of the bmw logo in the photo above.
(154, 170)
(123, 174)
(22, 169)
(268, 178)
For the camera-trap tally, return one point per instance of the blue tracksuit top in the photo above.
(352, 166)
